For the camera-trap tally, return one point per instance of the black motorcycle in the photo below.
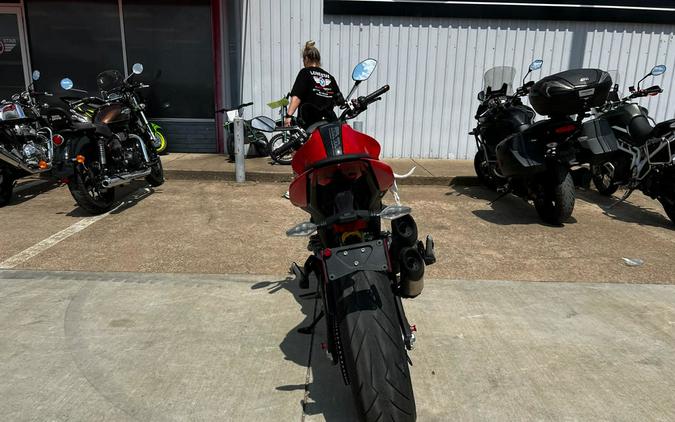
(115, 150)
(25, 140)
(645, 154)
(536, 159)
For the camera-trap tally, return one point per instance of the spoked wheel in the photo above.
(555, 202)
(156, 176)
(6, 185)
(275, 143)
(162, 144)
(374, 353)
(484, 171)
(602, 180)
(88, 193)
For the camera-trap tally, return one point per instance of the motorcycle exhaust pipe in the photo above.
(404, 231)
(412, 272)
(111, 182)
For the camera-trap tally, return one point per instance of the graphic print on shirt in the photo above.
(322, 84)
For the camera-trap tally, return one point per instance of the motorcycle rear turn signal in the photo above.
(80, 159)
(43, 165)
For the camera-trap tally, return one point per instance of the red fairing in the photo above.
(297, 192)
(353, 142)
(383, 173)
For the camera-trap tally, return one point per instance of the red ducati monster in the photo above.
(362, 270)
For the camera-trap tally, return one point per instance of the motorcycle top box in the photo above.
(570, 92)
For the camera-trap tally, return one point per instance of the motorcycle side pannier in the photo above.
(597, 138)
(517, 156)
(570, 92)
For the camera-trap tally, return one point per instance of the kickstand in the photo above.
(503, 194)
(623, 198)
(310, 328)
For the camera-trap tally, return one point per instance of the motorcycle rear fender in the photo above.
(346, 260)
(64, 167)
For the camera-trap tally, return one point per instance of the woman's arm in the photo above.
(292, 107)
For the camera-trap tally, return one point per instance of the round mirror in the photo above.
(363, 70)
(137, 68)
(66, 84)
(658, 70)
(536, 65)
(263, 123)
(481, 96)
(36, 75)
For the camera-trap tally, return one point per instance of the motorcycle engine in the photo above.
(125, 151)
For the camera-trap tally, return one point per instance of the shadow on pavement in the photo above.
(509, 210)
(127, 196)
(30, 189)
(626, 211)
(326, 394)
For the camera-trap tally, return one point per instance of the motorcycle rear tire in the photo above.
(82, 192)
(274, 143)
(374, 353)
(6, 186)
(603, 185)
(557, 203)
(156, 176)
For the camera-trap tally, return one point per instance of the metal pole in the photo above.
(239, 156)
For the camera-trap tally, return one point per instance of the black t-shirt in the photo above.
(316, 89)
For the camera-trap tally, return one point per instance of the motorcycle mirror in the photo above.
(658, 70)
(67, 84)
(137, 68)
(536, 65)
(392, 212)
(363, 70)
(36, 75)
(303, 229)
(481, 96)
(263, 124)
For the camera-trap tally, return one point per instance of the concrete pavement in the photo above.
(222, 227)
(158, 347)
(188, 166)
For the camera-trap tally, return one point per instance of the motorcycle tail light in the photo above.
(57, 140)
(565, 129)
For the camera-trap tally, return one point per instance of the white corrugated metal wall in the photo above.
(435, 65)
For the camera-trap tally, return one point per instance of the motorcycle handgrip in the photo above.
(371, 97)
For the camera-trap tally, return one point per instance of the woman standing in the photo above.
(314, 92)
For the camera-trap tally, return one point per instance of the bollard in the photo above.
(239, 155)
(357, 125)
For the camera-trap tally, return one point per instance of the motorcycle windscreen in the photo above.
(496, 77)
(334, 141)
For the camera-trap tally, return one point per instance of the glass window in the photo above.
(174, 37)
(74, 39)
(11, 66)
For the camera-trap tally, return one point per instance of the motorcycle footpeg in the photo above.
(300, 276)
(428, 251)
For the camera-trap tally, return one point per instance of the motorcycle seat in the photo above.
(662, 128)
(101, 130)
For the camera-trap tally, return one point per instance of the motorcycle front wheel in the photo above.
(161, 149)
(669, 206)
(374, 353)
(88, 194)
(484, 172)
(276, 142)
(156, 176)
(6, 185)
(555, 202)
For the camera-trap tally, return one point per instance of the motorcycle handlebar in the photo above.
(372, 97)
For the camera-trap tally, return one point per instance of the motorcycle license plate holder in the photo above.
(346, 260)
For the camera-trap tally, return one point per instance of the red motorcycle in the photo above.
(362, 271)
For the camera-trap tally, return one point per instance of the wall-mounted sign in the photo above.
(657, 11)
(7, 44)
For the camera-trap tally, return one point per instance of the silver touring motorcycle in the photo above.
(25, 143)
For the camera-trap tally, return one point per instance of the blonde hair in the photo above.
(310, 54)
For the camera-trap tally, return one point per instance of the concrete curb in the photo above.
(286, 178)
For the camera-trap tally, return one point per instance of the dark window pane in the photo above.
(11, 66)
(74, 39)
(174, 37)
